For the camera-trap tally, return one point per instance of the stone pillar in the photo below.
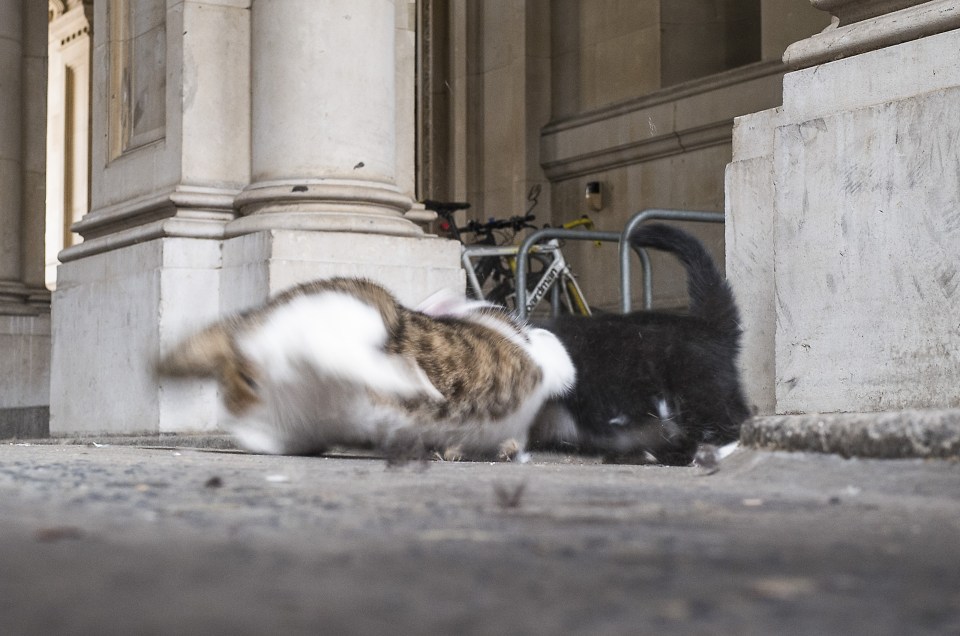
(24, 302)
(324, 134)
(68, 127)
(239, 148)
(324, 198)
(843, 234)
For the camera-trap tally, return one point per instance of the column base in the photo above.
(25, 369)
(328, 205)
(256, 266)
(114, 312)
(29, 422)
(16, 299)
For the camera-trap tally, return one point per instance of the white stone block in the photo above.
(256, 266)
(867, 256)
(753, 134)
(114, 313)
(749, 266)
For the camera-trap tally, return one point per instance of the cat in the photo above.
(340, 362)
(652, 386)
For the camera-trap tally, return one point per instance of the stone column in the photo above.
(324, 197)
(844, 235)
(23, 110)
(68, 127)
(324, 135)
(24, 302)
(11, 159)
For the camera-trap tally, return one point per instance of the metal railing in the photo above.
(642, 217)
(624, 250)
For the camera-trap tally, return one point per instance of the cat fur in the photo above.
(340, 362)
(652, 386)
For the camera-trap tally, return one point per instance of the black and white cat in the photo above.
(340, 362)
(652, 386)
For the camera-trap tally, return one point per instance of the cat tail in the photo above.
(203, 354)
(711, 298)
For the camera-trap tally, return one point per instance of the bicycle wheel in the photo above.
(486, 269)
(504, 292)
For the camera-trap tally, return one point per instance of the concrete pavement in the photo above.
(110, 539)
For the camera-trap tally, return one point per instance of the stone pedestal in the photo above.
(113, 313)
(258, 265)
(843, 233)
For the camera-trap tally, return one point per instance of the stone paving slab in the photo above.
(120, 539)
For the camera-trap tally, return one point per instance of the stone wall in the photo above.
(638, 95)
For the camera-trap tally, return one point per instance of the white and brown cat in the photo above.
(340, 362)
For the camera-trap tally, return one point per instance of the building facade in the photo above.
(196, 157)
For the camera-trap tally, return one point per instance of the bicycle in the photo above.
(487, 259)
(491, 272)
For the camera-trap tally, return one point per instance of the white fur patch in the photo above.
(258, 440)
(559, 374)
(338, 336)
(727, 449)
(556, 424)
(663, 409)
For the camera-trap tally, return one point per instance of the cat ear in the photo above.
(202, 354)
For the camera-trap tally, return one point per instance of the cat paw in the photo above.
(452, 454)
(256, 440)
(509, 450)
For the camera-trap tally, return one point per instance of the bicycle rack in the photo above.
(643, 216)
(546, 234)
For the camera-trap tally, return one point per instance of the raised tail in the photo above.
(711, 298)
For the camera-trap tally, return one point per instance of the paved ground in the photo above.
(126, 540)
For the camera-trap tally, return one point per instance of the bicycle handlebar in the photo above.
(445, 210)
(514, 223)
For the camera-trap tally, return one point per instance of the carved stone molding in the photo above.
(850, 11)
(688, 116)
(57, 8)
(855, 32)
